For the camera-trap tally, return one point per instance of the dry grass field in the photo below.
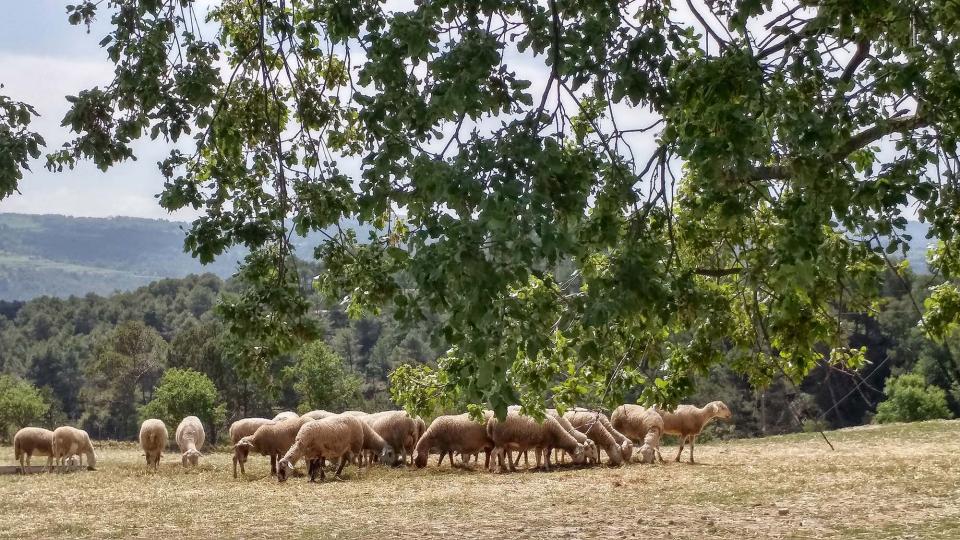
(895, 481)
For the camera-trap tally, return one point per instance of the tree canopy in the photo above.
(592, 196)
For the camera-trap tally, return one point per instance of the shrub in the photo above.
(321, 380)
(20, 404)
(911, 399)
(182, 393)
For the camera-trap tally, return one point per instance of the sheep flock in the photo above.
(321, 439)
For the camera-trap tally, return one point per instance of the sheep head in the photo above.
(191, 456)
(284, 468)
(626, 448)
(646, 454)
(721, 411)
(578, 455)
(241, 450)
(421, 460)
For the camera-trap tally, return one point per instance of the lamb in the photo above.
(642, 426)
(33, 440)
(153, 439)
(68, 441)
(285, 415)
(519, 432)
(454, 433)
(331, 438)
(588, 423)
(190, 437)
(398, 428)
(318, 414)
(272, 440)
(688, 421)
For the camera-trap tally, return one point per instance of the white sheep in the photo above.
(454, 433)
(318, 414)
(332, 438)
(519, 432)
(588, 423)
(153, 439)
(273, 439)
(242, 428)
(31, 441)
(687, 421)
(398, 428)
(190, 438)
(68, 441)
(642, 426)
(285, 415)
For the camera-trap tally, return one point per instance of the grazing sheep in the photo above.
(334, 437)
(688, 421)
(626, 445)
(354, 413)
(272, 440)
(318, 414)
(33, 440)
(588, 423)
(68, 441)
(519, 432)
(285, 415)
(153, 439)
(240, 429)
(454, 433)
(590, 448)
(190, 437)
(398, 428)
(642, 426)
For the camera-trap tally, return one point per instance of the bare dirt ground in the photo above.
(895, 481)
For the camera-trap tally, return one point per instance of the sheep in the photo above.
(688, 421)
(33, 440)
(590, 447)
(240, 429)
(355, 413)
(454, 433)
(626, 445)
(272, 440)
(398, 428)
(318, 414)
(519, 432)
(642, 426)
(153, 439)
(285, 415)
(68, 441)
(190, 438)
(331, 438)
(588, 423)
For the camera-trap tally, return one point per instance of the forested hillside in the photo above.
(61, 256)
(98, 359)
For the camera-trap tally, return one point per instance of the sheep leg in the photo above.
(343, 462)
(442, 454)
(683, 439)
(693, 439)
(546, 459)
(526, 464)
(486, 462)
(273, 464)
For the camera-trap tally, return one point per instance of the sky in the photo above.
(43, 59)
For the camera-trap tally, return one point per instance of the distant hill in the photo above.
(62, 256)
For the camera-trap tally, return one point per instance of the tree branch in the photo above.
(863, 50)
(858, 141)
